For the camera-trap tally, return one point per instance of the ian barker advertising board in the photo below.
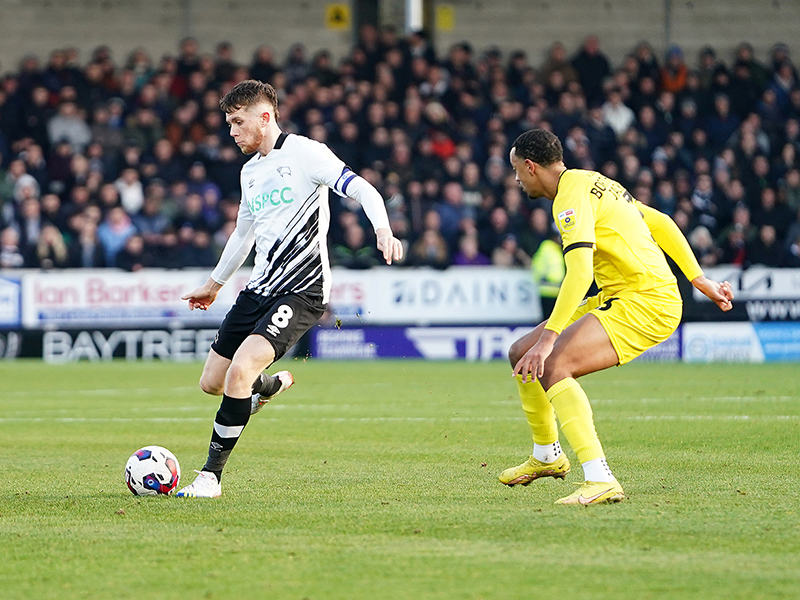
(107, 298)
(151, 298)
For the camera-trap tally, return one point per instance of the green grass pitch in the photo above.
(378, 480)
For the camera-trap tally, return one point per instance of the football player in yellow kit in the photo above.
(611, 237)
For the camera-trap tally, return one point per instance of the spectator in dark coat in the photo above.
(592, 67)
(86, 251)
(722, 124)
(765, 249)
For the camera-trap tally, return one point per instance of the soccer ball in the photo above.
(152, 471)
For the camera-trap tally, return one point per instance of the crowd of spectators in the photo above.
(130, 165)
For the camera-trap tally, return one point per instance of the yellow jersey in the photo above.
(594, 211)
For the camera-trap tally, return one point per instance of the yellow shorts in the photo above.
(635, 321)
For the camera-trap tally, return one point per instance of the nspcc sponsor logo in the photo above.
(274, 198)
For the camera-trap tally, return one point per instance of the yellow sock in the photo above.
(575, 415)
(539, 411)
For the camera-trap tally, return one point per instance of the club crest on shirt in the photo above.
(284, 171)
(566, 219)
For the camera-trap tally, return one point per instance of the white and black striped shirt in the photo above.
(284, 210)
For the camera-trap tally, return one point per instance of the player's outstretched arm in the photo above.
(203, 296)
(233, 255)
(720, 294)
(349, 184)
(391, 247)
(671, 240)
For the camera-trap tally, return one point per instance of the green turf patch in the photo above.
(379, 480)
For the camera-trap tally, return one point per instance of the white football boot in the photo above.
(204, 486)
(258, 401)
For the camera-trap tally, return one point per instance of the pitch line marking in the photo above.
(396, 419)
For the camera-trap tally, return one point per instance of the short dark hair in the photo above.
(539, 146)
(249, 92)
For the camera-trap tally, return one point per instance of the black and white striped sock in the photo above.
(232, 416)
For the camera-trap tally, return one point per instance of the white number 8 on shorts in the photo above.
(282, 316)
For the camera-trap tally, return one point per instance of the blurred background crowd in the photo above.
(128, 163)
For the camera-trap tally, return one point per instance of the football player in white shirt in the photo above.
(284, 211)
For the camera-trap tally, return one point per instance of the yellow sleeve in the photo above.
(579, 277)
(573, 211)
(671, 240)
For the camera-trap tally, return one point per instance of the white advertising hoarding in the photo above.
(9, 302)
(759, 283)
(386, 295)
(741, 342)
(107, 298)
(458, 295)
(723, 342)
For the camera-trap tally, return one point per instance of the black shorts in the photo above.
(282, 320)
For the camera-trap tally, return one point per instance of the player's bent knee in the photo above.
(211, 387)
(515, 352)
(238, 372)
(525, 343)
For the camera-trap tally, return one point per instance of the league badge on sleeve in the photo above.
(566, 220)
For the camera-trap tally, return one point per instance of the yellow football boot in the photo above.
(533, 469)
(595, 492)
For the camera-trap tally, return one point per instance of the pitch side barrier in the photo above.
(468, 313)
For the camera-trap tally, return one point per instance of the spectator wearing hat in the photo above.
(709, 67)
(758, 72)
(674, 71)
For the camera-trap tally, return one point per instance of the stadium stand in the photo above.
(130, 165)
